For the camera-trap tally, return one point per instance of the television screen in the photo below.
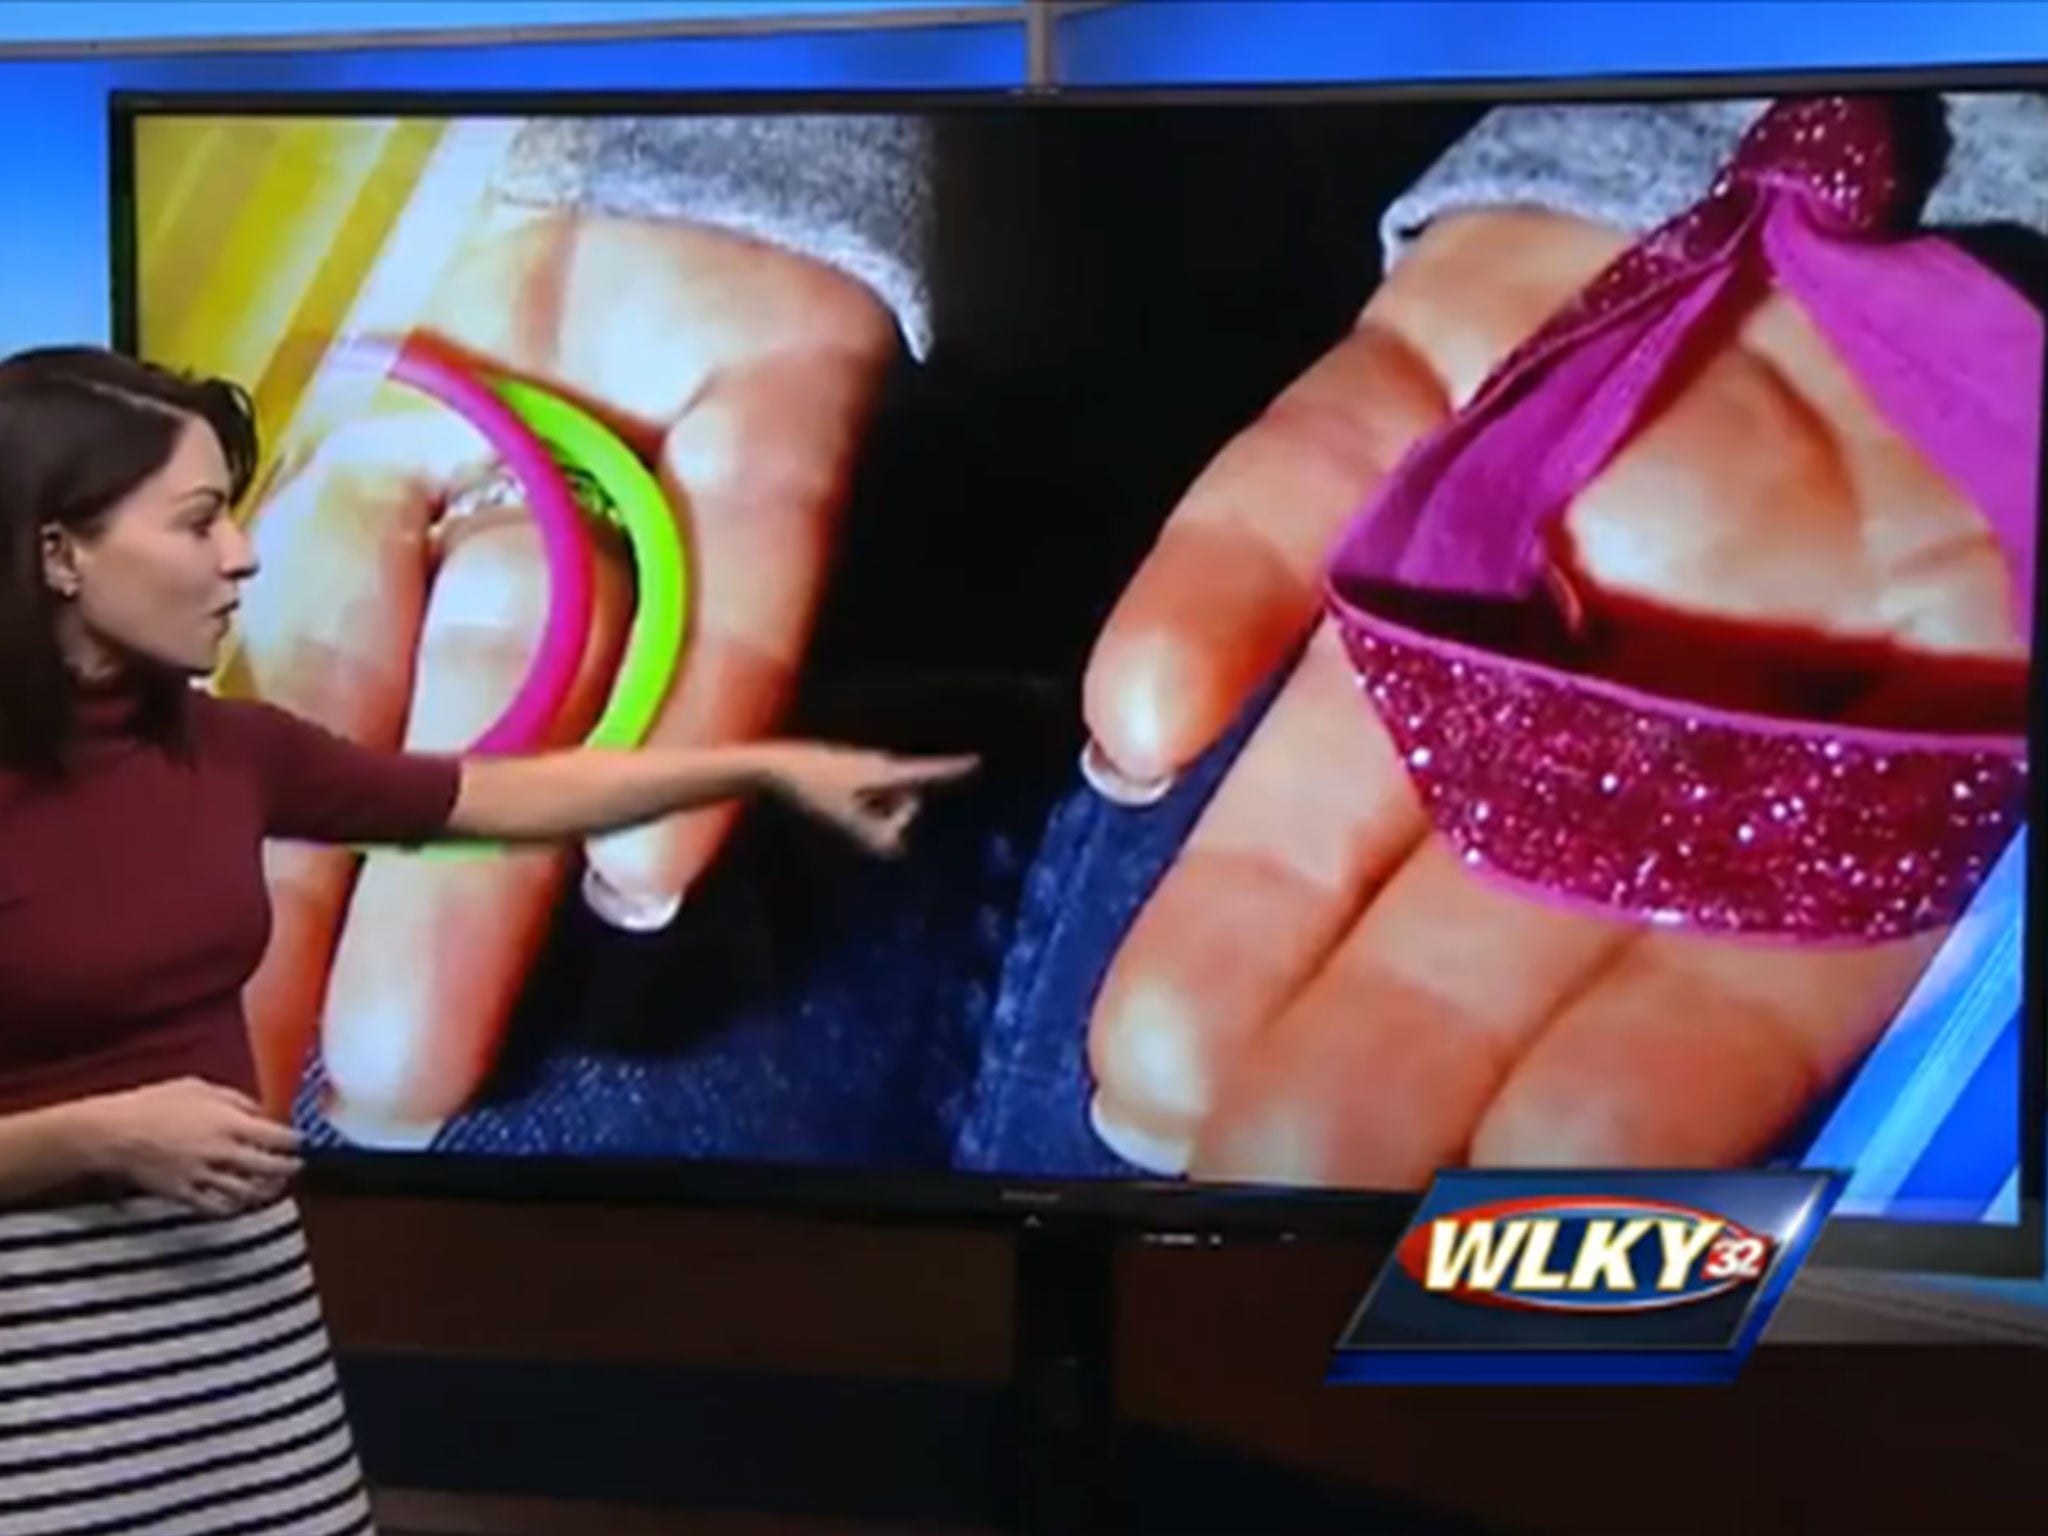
(1496, 631)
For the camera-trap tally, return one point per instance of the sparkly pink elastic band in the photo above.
(1607, 797)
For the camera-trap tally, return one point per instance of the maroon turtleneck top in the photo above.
(132, 903)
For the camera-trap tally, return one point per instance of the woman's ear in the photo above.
(60, 561)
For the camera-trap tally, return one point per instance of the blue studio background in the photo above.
(53, 195)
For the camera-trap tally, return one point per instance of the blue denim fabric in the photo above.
(1095, 869)
(804, 1008)
(811, 1006)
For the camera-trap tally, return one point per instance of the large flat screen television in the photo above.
(1496, 622)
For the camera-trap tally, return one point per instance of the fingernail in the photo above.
(1141, 1149)
(1116, 786)
(630, 914)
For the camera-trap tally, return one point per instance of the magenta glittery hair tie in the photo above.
(1595, 794)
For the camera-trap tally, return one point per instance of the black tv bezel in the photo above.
(1159, 1209)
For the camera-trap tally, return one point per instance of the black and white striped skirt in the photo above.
(168, 1374)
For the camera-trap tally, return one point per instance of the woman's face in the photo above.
(158, 579)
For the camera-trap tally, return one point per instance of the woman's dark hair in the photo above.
(80, 429)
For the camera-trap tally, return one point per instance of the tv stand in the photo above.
(1063, 1472)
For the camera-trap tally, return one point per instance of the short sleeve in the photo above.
(320, 787)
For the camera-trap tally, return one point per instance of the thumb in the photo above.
(1234, 584)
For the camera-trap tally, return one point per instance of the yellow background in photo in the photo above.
(255, 236)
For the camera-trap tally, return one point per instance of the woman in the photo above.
(163, 1363)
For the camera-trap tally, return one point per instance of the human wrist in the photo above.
(763, 768)
(86, 1135)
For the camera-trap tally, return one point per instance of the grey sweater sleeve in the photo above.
(851, 191)
(1634, 166)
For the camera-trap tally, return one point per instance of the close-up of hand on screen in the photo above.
(744, 375)
(1319, 991)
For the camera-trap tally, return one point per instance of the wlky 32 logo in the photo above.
(1583, 1255)
(1630, 1276)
